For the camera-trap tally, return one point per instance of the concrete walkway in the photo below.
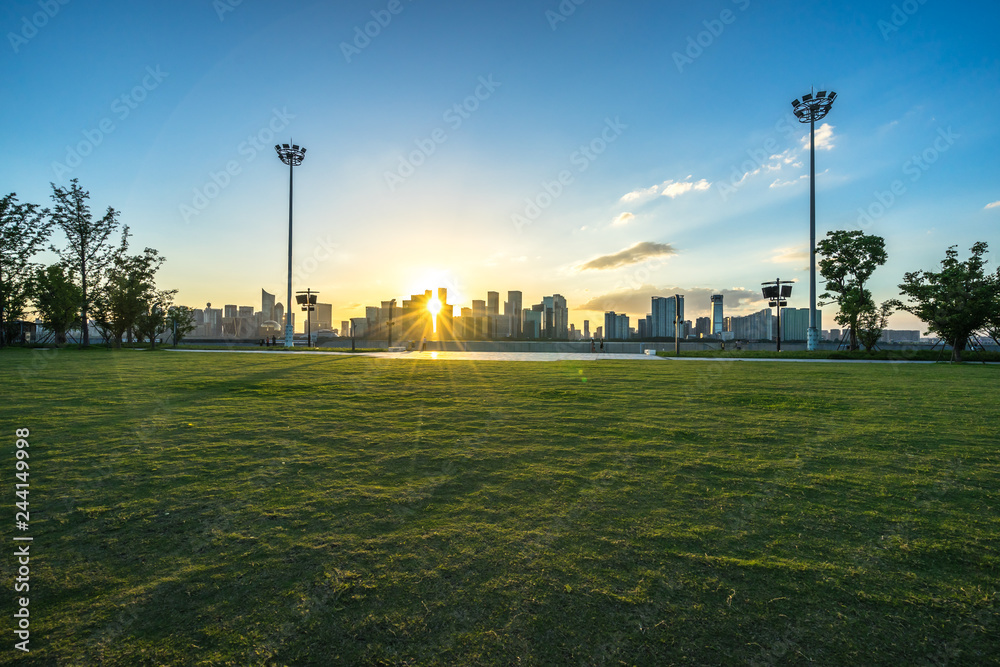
(564, 356)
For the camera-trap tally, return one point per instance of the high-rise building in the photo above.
(757, 326)
(702, 327)
(493, 303)
(230, 311)
(586, 328)
(556, 319)
(267, 305)
(616, 326)
(279, 315)
(795, 323)
(531, 326)
(512, 307)
(717, 317)
(662, 317)
(345, 328)
(323, 317)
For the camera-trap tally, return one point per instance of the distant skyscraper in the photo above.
(662, 317)
(230, 310)
(586, 328)
(702, 327)
(716, 315)
(267, 305)
(493, 303)
(512, 307)
(616, 326)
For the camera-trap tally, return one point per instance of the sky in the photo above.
(605, 151)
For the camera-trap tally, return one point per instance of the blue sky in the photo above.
(668, 124)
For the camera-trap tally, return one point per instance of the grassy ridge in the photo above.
(249, 509)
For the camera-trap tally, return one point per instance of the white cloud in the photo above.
(672, 189)
(639, 194)
(623, 219)
(993, 205)
(824, 138)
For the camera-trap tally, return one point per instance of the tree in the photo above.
(56, 298)
(872, 321)
(956, 301)
(993, 321)
(129, 290)
(180, 320)
(24, 228)
(849, 259)
(153, 320)
(88, 249)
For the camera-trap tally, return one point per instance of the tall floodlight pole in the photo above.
(291, 155)
(811, 108)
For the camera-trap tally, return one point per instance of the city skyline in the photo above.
(600, 158)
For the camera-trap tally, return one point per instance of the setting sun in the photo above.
(434, 307)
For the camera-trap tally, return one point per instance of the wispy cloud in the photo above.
(623, 219)
(671, 188)
(782, 255)
(674, 189)
(824, 138)
(641, 194)
(640, 252)
(993, 205)
(778, 183)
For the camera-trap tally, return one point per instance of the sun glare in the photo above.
(434, 307)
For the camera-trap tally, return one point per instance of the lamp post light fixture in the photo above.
(811, 108)
(292, 155)
(307, 299)
(776, 291)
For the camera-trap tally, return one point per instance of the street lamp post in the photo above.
(291, 155)
(776, 291)
(308, 302)
(811, 108)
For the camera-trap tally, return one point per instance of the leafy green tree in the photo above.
(956, 301)
(849, 260)
(56, 298)
(180, 321)
(24, 228)
(89, 250)
(872, 321)
(128, 292)
(153, 321)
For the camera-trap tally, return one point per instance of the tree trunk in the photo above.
(84, 330)
(957, 349)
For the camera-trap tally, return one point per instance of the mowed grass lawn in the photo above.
(244, 509)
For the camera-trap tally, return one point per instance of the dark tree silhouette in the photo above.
(24, 228)
(88, 250)
(956, 301)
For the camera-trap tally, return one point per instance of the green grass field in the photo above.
(240, 509)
